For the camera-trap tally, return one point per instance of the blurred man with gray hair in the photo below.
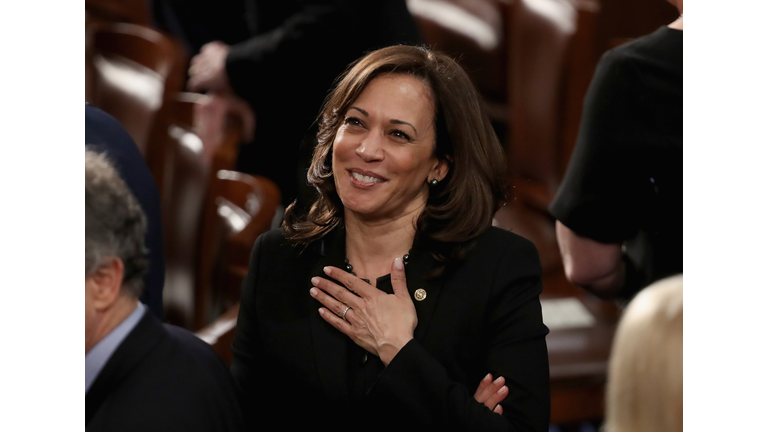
(139, 373)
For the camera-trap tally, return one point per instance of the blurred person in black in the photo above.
(103, 133)
(140, 375)
(283, 68)
(619, 209)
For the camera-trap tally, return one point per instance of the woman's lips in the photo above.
(365, 179)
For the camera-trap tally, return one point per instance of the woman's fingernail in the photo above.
(313, 292)
(498, 380)
(487, 377)
(315, 280)
(327, 270)
(501, 389)
(398, 263)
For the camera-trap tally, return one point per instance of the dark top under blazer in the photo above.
(162, 378)
(482, 316)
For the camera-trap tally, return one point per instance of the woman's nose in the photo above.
(370, 148)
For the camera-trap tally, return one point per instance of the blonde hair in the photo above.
(645, 376)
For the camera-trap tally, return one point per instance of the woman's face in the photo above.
(383, 154)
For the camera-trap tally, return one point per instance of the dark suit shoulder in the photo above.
(194, 361)
(497, 242)
(180, 384)
(273, 237)
(495, 236)
(193, 350)
(507, 261)
(273, 245)
(663, 44)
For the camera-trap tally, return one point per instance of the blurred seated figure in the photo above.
(619, 207)
(139, 374)
(283, 68)
(104, 134)
(645, 378)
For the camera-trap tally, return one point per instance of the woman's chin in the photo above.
(364, 210)
(360, 201)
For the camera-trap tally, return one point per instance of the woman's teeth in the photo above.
(366, 179)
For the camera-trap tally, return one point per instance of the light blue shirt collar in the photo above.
(97, 357)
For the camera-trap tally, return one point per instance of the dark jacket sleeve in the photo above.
(515, 349)
(298, 59)
(604, 194)
(264, 69)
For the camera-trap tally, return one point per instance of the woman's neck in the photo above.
(373, 245)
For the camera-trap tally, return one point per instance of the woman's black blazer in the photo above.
(483, 315)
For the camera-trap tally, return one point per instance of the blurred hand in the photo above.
(491, 393)
(207, 70)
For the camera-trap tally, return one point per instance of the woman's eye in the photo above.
(400, 134)
(353, 121)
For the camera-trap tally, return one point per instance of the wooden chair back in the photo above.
(245, 207)
(475, 33)
(552, 61)
(623, 20)
(212, 214)
(129, 11)
(135, 71)
(241, 207)
(221, 333)
(186, 176)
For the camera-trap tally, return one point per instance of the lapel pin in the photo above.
(420, 294)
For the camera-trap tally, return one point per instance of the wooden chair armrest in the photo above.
(259, 197)
(220, 333)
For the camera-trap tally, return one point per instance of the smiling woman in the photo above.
(403, 307)
(386, 148)
(462, 204)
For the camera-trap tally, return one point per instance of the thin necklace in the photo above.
(348, 267)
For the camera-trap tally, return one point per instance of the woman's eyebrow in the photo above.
(393, 121)
(396, 121)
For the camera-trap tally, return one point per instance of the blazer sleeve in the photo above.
(605, 193)
(516, 349)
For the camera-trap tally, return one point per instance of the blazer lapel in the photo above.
(330, 345)
(124, 360)
(421, 263)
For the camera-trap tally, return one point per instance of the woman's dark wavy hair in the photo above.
(461, 206)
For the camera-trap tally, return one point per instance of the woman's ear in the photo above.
(441, 169)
